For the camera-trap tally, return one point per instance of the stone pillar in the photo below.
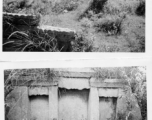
(53, 103)
(25, 104)
(93, 111)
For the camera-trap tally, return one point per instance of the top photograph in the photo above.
(73, 26)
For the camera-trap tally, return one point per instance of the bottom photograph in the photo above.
(108, 93)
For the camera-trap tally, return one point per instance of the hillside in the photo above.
(101, 25)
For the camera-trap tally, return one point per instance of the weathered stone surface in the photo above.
(108, 92)
(73, 83)
(73, 104)
(107, 108)
(33, 83)
(53, 103)
(71, 97)
(38, 91)
(93, 104)
(21, 19)
(18, 103)
(39, 107)
(112, 83)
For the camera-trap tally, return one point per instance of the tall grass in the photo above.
(31, 41)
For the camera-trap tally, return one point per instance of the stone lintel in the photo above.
(22, 19)
(74, 83)
(75, 74)
(34, 83)
(108, 92)
(18, 14)
(106, 85)
(38, 91)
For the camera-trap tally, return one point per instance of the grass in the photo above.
(81, 44)
(114, 25)
(31, 41)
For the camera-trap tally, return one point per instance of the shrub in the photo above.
(114, 7)
(110, 25)
(86, 23)
(97, 6)
(82, 44)
(140, 11)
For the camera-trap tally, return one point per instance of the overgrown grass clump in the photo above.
(31, 41)
(65, 5)
(82, 44)
(109, 24)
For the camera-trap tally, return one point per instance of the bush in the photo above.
(97, 6)
(114, 7)
(140, 11)
(110, 25)
(82, 44)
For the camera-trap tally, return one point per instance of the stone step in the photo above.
(21, 19)
(29, 24)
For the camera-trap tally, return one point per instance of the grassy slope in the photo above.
(132, 26)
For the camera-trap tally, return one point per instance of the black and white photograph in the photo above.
(97, 93)
(73, 26)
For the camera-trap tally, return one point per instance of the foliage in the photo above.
(99, 17)
(31, 41)
(136, 80)
(24, 6)
(118, 6)
(69, 5)
(82, 44)
(110, 25)
(97, 6)
(109, 73)
(141, 8)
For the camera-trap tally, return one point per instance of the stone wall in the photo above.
(28, 23)
(72, 98)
